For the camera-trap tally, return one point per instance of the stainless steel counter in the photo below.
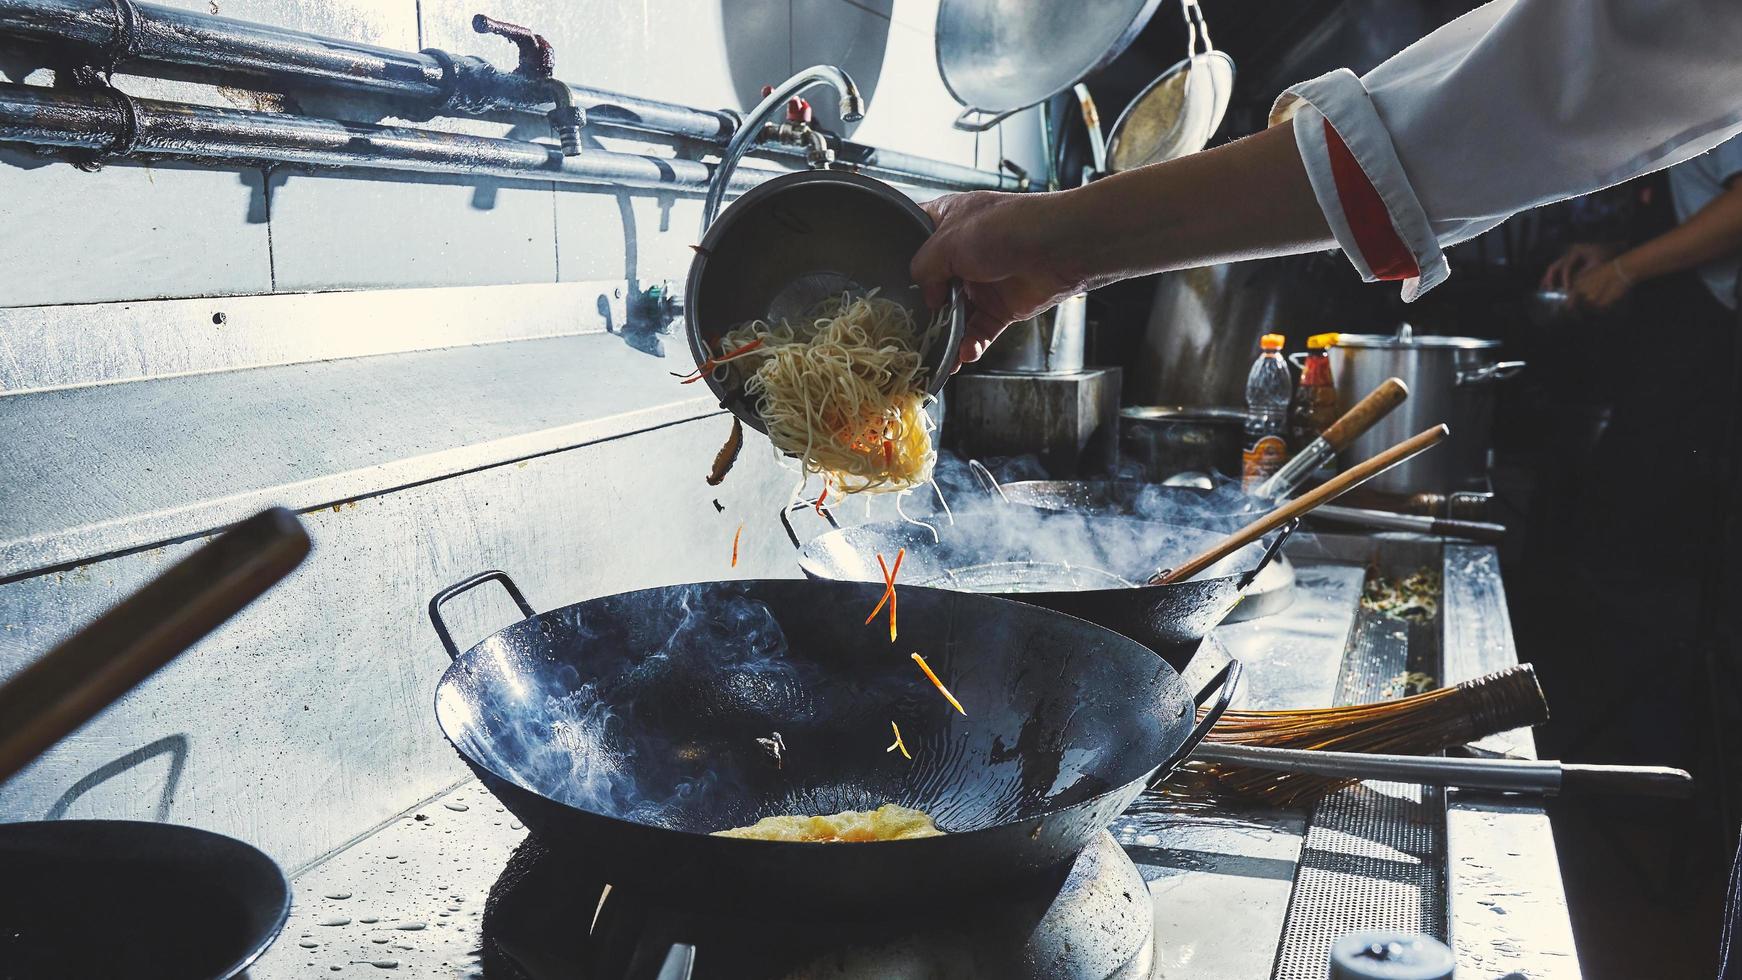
(1238, 892)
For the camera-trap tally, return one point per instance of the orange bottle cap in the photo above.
(1321, 340)
(1272, 341)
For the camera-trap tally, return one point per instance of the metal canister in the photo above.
(1450, 380)
(1390, 956)
(1051, 343)
(1166, 440)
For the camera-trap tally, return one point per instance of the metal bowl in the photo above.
(794, 241)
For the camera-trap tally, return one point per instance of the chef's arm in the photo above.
(1712, 232)
(1516, 104)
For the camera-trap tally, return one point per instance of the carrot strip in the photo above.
(822, 497)
(894, 599)
(899, 744)
(735, 538)
(713, 362)
(951, 698)
(888, 589)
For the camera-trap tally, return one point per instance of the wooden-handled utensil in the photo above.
(1341, 483)
(1507, 775)
(1363, 416)
(84, 674)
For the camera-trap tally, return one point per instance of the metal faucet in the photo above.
(538, 60)
(852, 110)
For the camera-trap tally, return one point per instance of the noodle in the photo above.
(844, 392)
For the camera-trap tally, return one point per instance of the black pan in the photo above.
(628, 726)
(121, 898)
(1083, 565)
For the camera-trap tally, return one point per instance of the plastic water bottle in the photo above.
(1268, 388)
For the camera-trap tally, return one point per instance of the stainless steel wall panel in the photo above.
(706, 53)
(44, 347)
(332, 231)
(910, 110)
(307, 719)
(128, 232)
(96, 471)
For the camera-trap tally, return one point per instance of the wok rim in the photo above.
(811, 566)
(1141, 782)
(278, 894)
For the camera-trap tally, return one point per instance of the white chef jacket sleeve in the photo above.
(1516, 104)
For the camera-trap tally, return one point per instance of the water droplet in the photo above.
(338, 896)
(368, 920)
(381, 964)
(515, 825)
(457, 807)
(309, 944)
(337, 920)
(411, 926)
(379, 940)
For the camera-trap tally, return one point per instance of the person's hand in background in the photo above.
(1577, 259)
(1600, 287)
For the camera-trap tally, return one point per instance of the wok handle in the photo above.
(1270, 554)
(1224, 683)
(440, 598)
(786, 522)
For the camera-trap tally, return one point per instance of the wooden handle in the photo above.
(1367, 412)
(85, 674)
(1324, 493)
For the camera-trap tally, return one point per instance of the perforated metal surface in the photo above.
(1374, 856)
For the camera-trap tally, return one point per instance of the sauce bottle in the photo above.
(1268, 386)
(1314, 408)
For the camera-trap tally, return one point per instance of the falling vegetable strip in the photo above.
(822, 497)
(893, 600)
(899, 744)
(735, 538)
(713, 362)
(886, 592)
(727, 455)
(951, 698)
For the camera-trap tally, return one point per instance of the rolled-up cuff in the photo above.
(1360, 185)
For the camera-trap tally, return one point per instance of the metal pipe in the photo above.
(852, 110)
(102, 121)
(432, 80)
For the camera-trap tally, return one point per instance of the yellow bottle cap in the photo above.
(1320, 340)
(1272, 341)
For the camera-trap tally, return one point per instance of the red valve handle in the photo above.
(797, 109)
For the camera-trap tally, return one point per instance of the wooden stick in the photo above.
(47, 700)
(1330, 490)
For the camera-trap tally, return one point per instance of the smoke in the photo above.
(1043, 535)
(632, 724)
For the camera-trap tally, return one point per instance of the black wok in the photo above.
(628, 726)
(1082, 565)
(123, 898)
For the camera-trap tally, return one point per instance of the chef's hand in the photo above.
(1019, 254)
(1601, 287)
(998, 246)
(1563, 271)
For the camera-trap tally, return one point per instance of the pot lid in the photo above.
(1406, 337)
(999, 56)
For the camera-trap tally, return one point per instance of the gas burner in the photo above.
(547, 918)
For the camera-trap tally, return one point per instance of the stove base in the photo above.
(545, 920)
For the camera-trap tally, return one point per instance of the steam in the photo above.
(1065, 537)
(613, 742)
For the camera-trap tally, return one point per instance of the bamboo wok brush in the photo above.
(1416, 725)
